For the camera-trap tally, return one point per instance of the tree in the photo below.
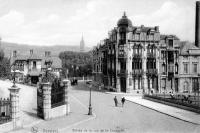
(4, 66)
(77, 64)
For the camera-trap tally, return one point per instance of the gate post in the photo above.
(66, 85)
(15, 111)
(46, 100)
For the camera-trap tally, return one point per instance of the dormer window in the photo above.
(170, 43)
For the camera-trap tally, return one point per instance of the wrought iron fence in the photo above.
(57, 93)
(188, 100)
(5, 110)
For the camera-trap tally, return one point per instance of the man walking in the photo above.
(123, 101)
(115, 100)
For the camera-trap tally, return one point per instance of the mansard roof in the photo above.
(187, 48)
(163, 37)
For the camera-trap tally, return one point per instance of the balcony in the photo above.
(137, 55)
(122, 56)
(152, 72)
(122, 72)
(137, 72)
(111, 71)
(122, 41)
(151, 55)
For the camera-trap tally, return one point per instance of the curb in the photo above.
(165, 113)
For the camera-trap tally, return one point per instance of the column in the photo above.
(15, 111)
(66, 85)
(127, 85)
(46, 100)
(118, 84)
(144, 77)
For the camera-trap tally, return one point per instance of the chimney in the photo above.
(197, 26)
(15, 53)
(31, 52)
(157, 28)
(47, 53)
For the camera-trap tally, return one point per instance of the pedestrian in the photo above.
(123, 101)
(115, 100)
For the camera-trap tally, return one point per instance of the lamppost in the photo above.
(48, 64)
(14, 75)
(90, 105)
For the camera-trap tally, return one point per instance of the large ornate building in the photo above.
(138, 59)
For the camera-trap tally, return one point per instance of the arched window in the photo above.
(176, 68)
(163, 68)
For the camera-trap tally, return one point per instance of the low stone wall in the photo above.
(58, 111)
(8, 126)
(171, 104)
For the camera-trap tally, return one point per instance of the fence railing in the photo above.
(191, 101)
(57, 94)
(5, 110)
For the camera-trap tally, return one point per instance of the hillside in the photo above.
(25, 49)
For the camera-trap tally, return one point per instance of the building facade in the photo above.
(33, 66)
(138, 59)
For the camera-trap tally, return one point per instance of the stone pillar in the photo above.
(144, 77)
(118, 84)
(66, 85)
(127, 84)
(46, 100)
(15, 110)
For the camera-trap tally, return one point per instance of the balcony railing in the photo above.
(122, 72)
(137, 72)
(152, 72)
(137, 55)
(122, 56)
(151, 55)
(122, 41)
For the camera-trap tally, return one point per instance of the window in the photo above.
(176, 68)
(185, 66)
(194, 67)
(130, 81)
(163, 68)
(170, 43)
(34, 64)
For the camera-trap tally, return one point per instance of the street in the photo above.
(128, 119)
(106, 117)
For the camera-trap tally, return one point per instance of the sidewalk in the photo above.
(78, 115)
(181, 114)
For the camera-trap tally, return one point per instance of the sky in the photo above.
(64, 22)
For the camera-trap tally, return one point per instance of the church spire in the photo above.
(82, 45)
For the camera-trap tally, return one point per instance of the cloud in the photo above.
(172, 19)
(93, 19)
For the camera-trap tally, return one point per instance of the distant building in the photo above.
(33, 66)
(82, 45)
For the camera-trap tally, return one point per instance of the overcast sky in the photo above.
(51, 22)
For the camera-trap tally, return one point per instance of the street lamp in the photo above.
(14, 69)
(90, 106)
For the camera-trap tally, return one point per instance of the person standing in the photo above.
(115, 100)
(123, 101)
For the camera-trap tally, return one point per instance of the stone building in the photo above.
(128, 61)
(189, 60)
(138, 59)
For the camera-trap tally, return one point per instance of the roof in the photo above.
(124, 21)
(163, 37)
(34, 73)
(185, 47)
(56, 62)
